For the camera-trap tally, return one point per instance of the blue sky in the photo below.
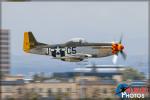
(57, 22)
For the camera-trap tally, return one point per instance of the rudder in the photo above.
(29, 41)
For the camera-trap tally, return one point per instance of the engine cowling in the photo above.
(116, 48)
(72, 59)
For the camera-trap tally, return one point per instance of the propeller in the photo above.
(121, 37)
(114, 60)
(117, 48)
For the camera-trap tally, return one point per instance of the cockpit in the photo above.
(77, 40)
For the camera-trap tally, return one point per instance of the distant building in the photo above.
(4, 52)
(12, 89)
(88, 86)
(80, 87)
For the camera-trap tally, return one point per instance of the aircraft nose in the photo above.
(121, 47)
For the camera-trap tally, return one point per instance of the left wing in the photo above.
(74, 57)
(82, 56)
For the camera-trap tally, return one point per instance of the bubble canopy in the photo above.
(82, 40)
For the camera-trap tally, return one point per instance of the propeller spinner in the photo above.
(116, 49)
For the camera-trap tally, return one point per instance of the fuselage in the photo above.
(60, 50)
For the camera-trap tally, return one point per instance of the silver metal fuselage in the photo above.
(94, 49)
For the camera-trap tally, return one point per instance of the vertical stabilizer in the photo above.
(29, 41)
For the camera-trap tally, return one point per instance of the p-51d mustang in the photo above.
(75, 50)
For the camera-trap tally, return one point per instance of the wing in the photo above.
(74, 58)
(78, 55)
